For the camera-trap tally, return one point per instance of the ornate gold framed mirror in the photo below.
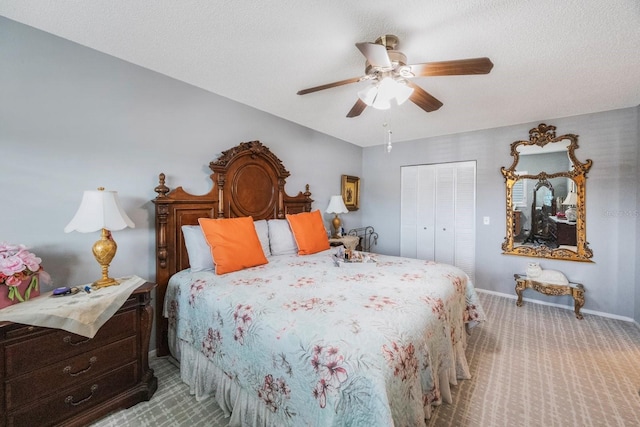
(546, 192)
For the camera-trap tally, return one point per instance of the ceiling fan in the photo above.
(387, 68)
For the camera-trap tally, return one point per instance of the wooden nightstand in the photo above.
(54, 377)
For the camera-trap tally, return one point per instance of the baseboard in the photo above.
(567, 307)
(152, 353)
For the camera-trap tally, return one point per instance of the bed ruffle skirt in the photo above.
(206, 380)
(448, 376)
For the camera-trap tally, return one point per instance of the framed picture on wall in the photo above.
(351, 192)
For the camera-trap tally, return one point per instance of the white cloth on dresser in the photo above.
(82, 313)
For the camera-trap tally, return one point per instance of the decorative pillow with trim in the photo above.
(234, 243)
(309, 232)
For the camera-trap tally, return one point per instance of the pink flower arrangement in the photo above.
(17, 264)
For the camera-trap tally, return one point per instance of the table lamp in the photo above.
(101, 210)
(336, 206)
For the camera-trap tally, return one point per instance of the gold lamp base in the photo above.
(104, 250)
(336, 226)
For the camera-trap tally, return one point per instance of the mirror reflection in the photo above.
(546, 210)
(545, 197)
(550, 159)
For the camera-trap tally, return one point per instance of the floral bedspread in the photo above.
(310, 343)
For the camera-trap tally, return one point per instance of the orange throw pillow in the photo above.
(234, 243)
(309, 232)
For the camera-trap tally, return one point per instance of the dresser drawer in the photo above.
(65, 404)
(36, 349)
(64, 374)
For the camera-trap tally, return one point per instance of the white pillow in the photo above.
(281, 238)
(199, 252)
(262, 229)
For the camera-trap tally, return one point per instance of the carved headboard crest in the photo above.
(253, 148)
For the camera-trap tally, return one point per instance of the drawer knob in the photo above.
(69, 399)
(67, 339)
(67, 369)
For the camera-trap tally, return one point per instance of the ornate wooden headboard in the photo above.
(248, 180)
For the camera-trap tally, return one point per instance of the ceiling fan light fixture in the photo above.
(368, 94)
(379, 95)
(387, 89)
(403, 92)
(381, 103)
(373, 97)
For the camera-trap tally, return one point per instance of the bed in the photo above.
(302, 339)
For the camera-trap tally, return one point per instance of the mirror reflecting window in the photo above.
(545, 189)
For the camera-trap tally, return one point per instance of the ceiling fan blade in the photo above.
(422, 99)
(376, 54)
(357, 109)
(453, 68)
(329, 85)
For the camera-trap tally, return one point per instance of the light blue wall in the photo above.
(73, 119)
(610, 139)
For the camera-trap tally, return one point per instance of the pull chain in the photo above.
(388, 137)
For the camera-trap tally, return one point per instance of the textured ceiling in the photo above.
(552, 58)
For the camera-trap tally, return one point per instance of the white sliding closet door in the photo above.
(438, 213)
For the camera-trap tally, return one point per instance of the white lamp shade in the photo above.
(571, 199)
(336, 205)
(99, 209)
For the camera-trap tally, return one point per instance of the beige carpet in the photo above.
(533, 365)
(170, 406)
(538, 365)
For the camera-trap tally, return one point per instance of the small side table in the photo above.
(576, 290)
(349, 242)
